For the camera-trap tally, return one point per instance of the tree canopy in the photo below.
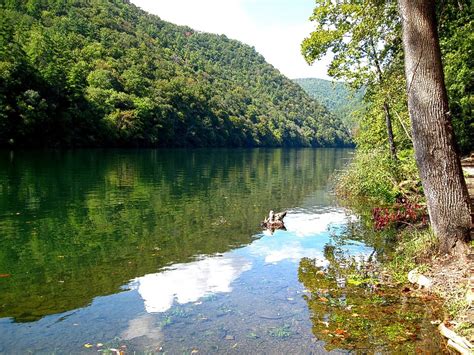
(338, 97)
(101, 73)
(365, 38)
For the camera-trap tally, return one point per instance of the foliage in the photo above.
(361, 36)
(365, 38)
(338, 97)
(92, 73)
(400, 213)
(375, 176)
(456, 26)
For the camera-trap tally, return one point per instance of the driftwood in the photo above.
(274, 221)
(460, 344)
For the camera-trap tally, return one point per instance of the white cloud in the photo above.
(280, 45)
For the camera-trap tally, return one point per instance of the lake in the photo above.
(162, 251)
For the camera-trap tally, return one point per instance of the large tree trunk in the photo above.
(433, 138)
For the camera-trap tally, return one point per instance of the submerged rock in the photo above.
(416, 278)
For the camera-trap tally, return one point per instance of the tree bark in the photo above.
(436, 151)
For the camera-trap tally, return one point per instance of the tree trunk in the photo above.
(388, 122)
(386, 108)
(436, 152)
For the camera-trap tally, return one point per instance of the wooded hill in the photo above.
(105, 73)
(337, 97)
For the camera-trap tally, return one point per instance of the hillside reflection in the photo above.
(77, 225)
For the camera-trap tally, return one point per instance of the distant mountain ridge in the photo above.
(105, 73)
(336, 96)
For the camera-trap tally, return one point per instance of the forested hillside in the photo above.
(337, 96)
(105, 73)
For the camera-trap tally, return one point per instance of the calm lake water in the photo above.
(161, 251)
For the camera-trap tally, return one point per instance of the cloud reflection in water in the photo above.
(308, 232)
(189, 282)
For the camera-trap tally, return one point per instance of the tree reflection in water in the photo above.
(350, 310)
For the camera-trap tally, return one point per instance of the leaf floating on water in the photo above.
(341, 333)
(194, 351)
(5, 275)
(87, 345)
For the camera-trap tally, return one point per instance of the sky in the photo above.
(275, 28)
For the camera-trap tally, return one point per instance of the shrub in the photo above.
(375, 176)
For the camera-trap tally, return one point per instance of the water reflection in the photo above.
(153, 251)
(351, 310)
(189, 282)
(308, 231)
(144, 326)
(80, 224)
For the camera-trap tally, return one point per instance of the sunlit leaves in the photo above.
(107, 69)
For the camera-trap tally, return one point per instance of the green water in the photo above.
(161, 251)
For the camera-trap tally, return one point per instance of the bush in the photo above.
(375, 176)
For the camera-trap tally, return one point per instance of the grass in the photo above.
(414, 248)
(374, 176)
(374, 180)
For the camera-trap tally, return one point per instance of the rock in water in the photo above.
(416, 278)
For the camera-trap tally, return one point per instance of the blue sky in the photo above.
(274, 27)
